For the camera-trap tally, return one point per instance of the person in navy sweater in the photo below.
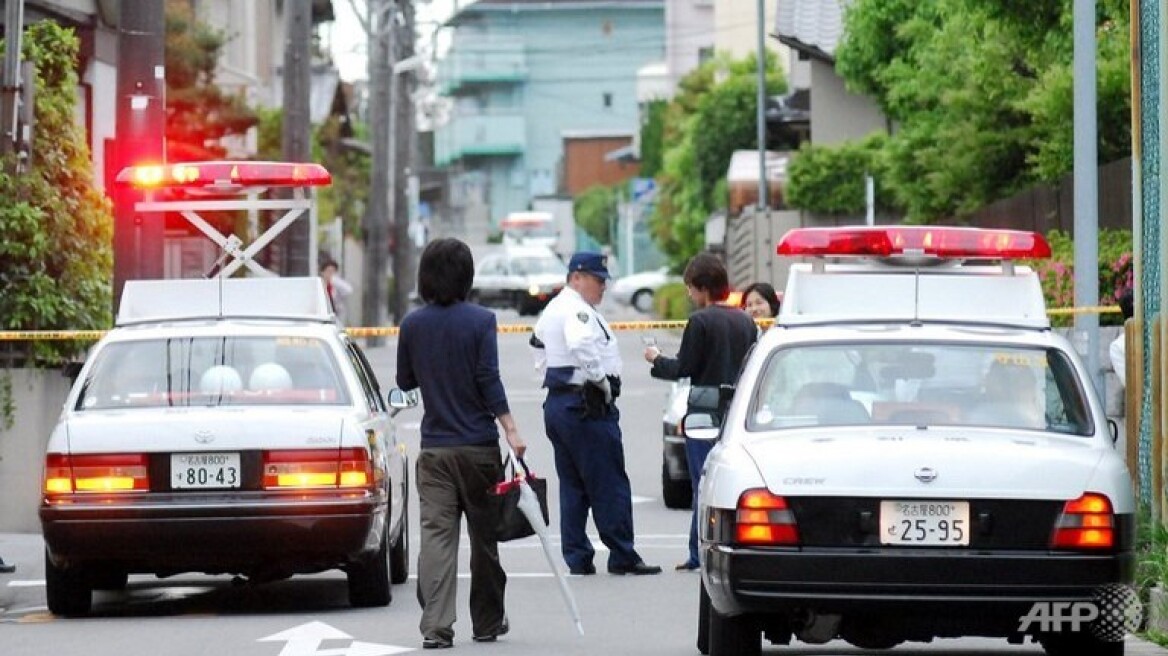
(449, 349)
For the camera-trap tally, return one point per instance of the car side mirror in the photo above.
(700, 426)
(400, 399)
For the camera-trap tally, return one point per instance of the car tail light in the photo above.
(764, 519)
(317, 468)
(1085, 523)
(104, 473)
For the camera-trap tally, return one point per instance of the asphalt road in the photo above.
(193, 615)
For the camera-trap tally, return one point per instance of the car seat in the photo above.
(220, 379)
(269, 376)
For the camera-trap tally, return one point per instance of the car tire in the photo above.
(67, 591)
(676, 494)
(1073, 643)
(369, 580)
(643, 300)
(736, 635)
(399, 553)
(703, 621)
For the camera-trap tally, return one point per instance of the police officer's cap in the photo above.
(593, 263)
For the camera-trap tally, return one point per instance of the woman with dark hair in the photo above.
(449, 349)
(760, 301)
(716, 340)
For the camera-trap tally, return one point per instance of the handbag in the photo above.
(511, 523)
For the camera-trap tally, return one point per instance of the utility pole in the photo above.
(1086, 175)
(375, 224)
(403, 116)
(141, 135)
(760, 114)
(296, 130)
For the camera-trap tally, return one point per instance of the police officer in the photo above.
(578, 353)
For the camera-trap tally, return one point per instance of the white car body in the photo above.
(637, 290)
(834, 557)
(252, 432)
(525, 278)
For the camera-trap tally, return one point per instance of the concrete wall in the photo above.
(38, 395)
(838, 114)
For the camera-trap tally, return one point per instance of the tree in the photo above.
(56, 228)
(981, 94)
(595, 212)
(652, 135)
(199, 114)
(712, 115)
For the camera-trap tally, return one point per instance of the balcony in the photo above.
(496, 134)
(476, 61)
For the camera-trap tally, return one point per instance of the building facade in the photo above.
(521, 76)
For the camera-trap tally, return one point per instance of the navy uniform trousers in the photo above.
(590, 462)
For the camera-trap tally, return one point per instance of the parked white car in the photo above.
(637, 290)
(225, 427)
(525, 278)
(912, 453)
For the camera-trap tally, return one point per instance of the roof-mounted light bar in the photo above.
(224, 176)
(931, 241)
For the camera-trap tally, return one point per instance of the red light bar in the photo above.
(935, 241)
(225, 175)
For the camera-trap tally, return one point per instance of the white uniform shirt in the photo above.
(575, 335)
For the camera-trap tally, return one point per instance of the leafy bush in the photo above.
(56, 229)
(595, 211)
(1116, 272)
(830, 180)
(671, 302)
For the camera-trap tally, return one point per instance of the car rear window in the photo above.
(920, 385)
(213, 371)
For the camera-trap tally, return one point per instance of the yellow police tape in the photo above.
(391, 331)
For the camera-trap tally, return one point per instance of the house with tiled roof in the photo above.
(813, 29)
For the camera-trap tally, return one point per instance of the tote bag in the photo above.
(512, 524)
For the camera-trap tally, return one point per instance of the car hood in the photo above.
(964, 463)
(202, 429)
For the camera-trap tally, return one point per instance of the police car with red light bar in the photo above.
(225, 426)
(910, 453)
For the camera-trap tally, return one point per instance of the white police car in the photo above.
(912, 453)
(224, 427)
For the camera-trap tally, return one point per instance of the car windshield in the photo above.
(918, 385)
(526, 266)
(212, 371)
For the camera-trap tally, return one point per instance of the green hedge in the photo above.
(671, 303)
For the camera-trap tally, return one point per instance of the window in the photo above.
(920, 384)
(213, 371)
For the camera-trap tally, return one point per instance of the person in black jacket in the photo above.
(713, 347)
(449, 349)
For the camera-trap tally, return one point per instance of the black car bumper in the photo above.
(825, 580)
(251, 533)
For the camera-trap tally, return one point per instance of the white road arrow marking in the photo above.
(304, 640)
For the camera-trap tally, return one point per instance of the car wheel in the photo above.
(703, 620)
(399, 553)
(369, 580)
(67, 591)
(734, 636)
(643, 300)
(676, 494)
(1072, 643)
